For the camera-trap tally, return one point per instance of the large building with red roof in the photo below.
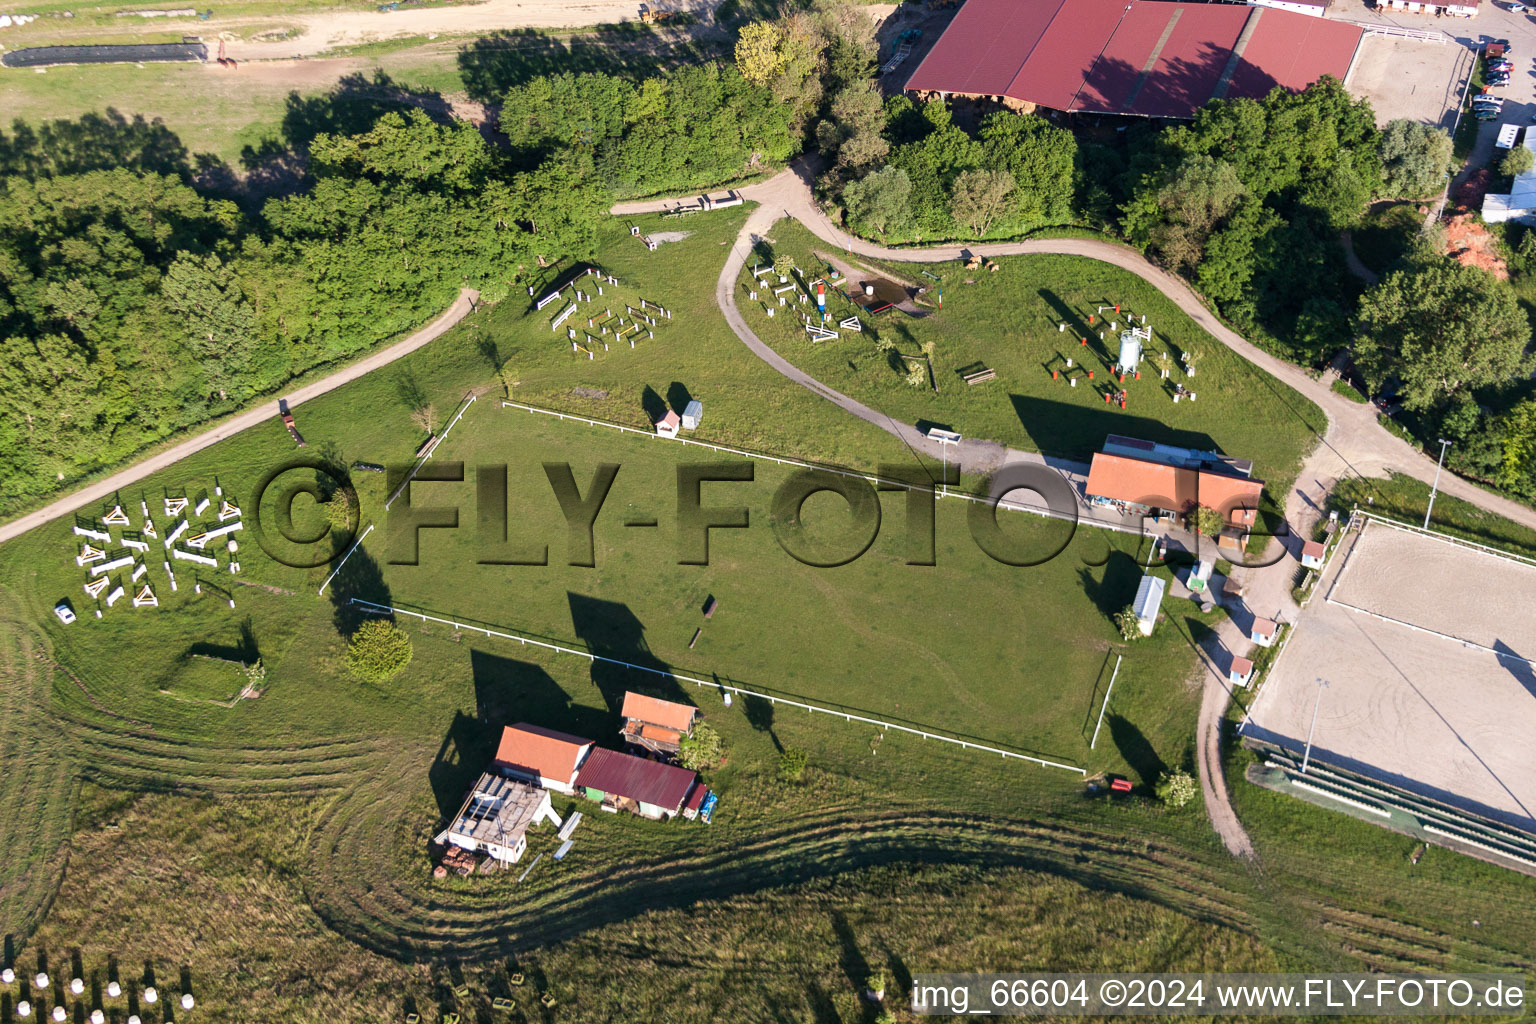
(1152, 58)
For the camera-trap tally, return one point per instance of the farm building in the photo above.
(1312, 554)
(656, 724)
(1149, 598)
(1519, 203)
(1146, 478)
(1240, 672)
(623, 782)
(1311, 8)
(1464, 9)
(1263, 632)
(541, 756)
(1147, 58)
(668, 424)
(496, 816)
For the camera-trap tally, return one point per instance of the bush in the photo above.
(1207, 521)
(1177, 787)
(378, 651)
(791, 765)
(701, 750)
(1127, 622)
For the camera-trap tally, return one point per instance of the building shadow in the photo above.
(651, 402)
(1077, 431)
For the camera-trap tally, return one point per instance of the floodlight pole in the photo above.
(1444, 444)
(1306, 756)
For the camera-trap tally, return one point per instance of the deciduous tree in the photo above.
(1441, 328)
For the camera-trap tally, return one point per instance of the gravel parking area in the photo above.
(1409, 78)
(1420, 711)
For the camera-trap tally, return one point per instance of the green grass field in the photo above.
(1008, 321)
(277, 847)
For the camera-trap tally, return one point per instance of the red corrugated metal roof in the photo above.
(639, 779)
(1293, 50)
(984, 46)
(1067, 50)
(1192, 59)
(1093, 55)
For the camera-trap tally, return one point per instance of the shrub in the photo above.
(1128, 623)
(378, 651)
(1207, 521)
(1177, 787)
(791, 765)
(701, 750)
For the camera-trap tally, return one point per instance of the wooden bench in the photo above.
(977, 376)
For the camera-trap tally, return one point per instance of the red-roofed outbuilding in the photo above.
(1153, 58)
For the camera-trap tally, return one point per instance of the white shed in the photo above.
(692, 414)
(1149, 598)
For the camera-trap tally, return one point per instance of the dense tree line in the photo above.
(131, 306)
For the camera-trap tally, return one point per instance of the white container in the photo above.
(97, 1017)
(187, 1002)
(60, 1014)
(8, 977)
(77, 985)
(41, 981)
(23, 1009)
(114, 990)
(150, 995)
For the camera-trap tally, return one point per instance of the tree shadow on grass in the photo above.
(93, 142)
(610, 630)
(1136, 750)
(466, 752)
(362, 578)
(508, 691)
(1113, 585)
(503, 60)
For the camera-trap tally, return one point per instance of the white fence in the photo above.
(383, 609)
(1375, 517)
(874, 478)
(463, 408)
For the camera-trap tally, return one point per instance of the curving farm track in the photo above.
(1353, 445)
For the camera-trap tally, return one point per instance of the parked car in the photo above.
(1516, 8)
(65, 613)
(1500, 65)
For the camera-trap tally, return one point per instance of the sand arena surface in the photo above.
(1442, 586)
(1428, 714)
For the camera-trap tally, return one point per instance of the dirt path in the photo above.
(1352, 261)
(320, 32)
(462, 307)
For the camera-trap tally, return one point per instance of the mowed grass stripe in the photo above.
(427, 916)
(37, 795)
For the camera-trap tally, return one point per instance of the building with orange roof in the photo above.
(543, 756)
(1144, 477)
(656, 724)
